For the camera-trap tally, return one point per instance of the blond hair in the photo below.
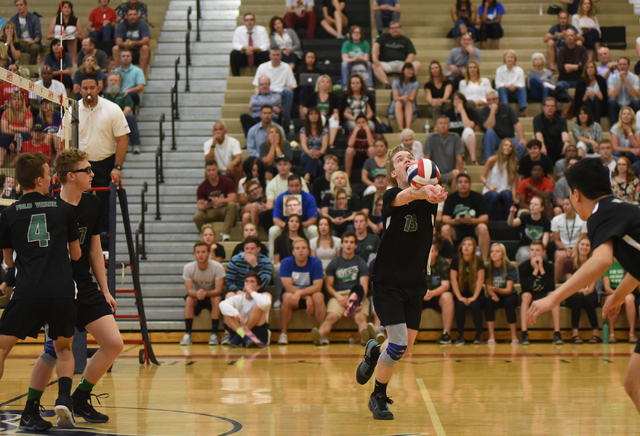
(389, 165)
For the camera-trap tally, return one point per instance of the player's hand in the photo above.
(539, 307)
(240, 318)
(116, 175)
(611, 308)
(428, 296)
(342, 301)
(110, 300)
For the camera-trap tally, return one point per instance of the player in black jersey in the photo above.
(614, 231)
(399, 274)
(43, 232)
(95, 306)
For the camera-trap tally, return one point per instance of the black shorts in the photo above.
(201, 305)
(88, 313)
(396, 305)
(534, 295)
(464, 232)
(434, 304)
(262, 332)
(26, 317)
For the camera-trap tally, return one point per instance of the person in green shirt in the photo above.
(610, 281)
(125, 102)
(439, 296)
(390, 52)
(356, 58)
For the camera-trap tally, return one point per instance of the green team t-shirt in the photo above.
(616, 274)
(439, 272)
(356, 49)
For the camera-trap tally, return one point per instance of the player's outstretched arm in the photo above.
(591, 271)
(74, 250)
(432, 193)
(612, 305)
(8, 257)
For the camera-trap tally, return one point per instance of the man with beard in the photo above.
(124, 101)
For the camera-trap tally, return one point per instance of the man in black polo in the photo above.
(551, 130)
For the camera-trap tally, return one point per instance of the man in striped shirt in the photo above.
(250, 260)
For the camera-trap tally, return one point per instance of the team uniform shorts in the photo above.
(26, 317)
(91, 305)
(399, 305)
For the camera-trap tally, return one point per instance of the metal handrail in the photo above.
(198, 18)
(141, 249)
(159, 166)
(187, 42)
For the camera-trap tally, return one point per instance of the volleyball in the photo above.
(423, 172)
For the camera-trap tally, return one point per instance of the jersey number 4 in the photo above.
(38, 230)
(410, 223)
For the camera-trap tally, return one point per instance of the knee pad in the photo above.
(396, 346)
(49, 355)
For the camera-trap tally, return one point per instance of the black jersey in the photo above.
(88, 215)
(38, 229)
(618, 221)
(406, 244)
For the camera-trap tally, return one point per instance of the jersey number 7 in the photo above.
(38, 230)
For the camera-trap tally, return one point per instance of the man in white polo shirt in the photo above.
(282, 80)
(226, 151)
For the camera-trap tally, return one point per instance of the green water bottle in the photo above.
(605, 332)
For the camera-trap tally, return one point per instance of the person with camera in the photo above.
(217, 200)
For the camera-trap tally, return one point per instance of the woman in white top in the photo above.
(566, 230)
(587, 23)
(510, 82)
(499, 178)
(624, 135)
(69, 30)
(408, 139)
(475, 88)
(286, 40)
(325, 247)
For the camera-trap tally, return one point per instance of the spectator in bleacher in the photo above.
(445, 149)
(500, 178)
(302, 278)
(124, 101)
(536, 281)
(385, 12)
(275, 187)
(249, 229)
(623, 88)
(534, 154)
(566, 229)
(216, 200)
(533, 226)
(390, 52)
(37, 143)
(283, 244)
(69, 30)
(570, 153)
(407, 138)
(359, 145)
(258, 133)
(459, 58)
(462, 120)
(257, 173)
(467, 280)
(322, 185)
(439, 296)
(203, 281)
(356, 51)
(48, 82)
(377, 163)
(500, 277)
(555, 38)
(551, 130)
(257, 101)
(333, 17)
(367, 243)
(591, 91)
(217, 251)
(88, 67)
(610, 282)
(490, 14)
(28, 30)
(326, 246)
(9, 47)
(134, 35)
(300, 13)
(605, 65)
(536, 185)
(340, 204)
(403, 97)
(586, 22)
(539, 79)
(624, 135)
(50, 121)
(253, 203)
(586, 298)
(101, 23)
(571, 60)
(133, 81)
(466, 215)
(249, 260)
(372, 204)
(274, 146)
(89, 48)
(437, 90)
(123, 9)
(586, 132)
(561, 190)
(474, 87)
(282, 80)
(605, 150)
(16, 119)
(328, 103)
(631, 303)
(510, 82)
(465, 18)
(247, 309)
(250, 45)
(624, 183)
(53, 60)
(344, 274)
(305, 208)
(226, 151)
(286, 40)
(355, 103)
(314, 141)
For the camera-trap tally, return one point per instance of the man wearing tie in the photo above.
(250, 45)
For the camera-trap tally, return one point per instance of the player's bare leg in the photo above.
(632, 380)
(6, 344)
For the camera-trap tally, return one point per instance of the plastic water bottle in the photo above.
(427, 126)
(292, 128)
(605, 332)
(541, 10)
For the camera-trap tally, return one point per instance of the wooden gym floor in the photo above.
(305, 390)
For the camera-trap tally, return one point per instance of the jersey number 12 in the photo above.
(38, 230)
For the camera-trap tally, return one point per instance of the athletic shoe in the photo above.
(64, 411)
(478, 340)
(213, 339)
(445, 339)
(365, 336)
(324, 340)
(277, 304)
(136, 150)
(460, 340)
(368, 365)
(224, 237)
(85, 409)
(491, 342)
(248, 343)
(226, 340)
(315, 336)
(633, 338)
(378, 405)
(557, 339)
(524, 338)
(377, 333)
(186, 339)
(283, 339)
(236, 341)
(31, 419)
